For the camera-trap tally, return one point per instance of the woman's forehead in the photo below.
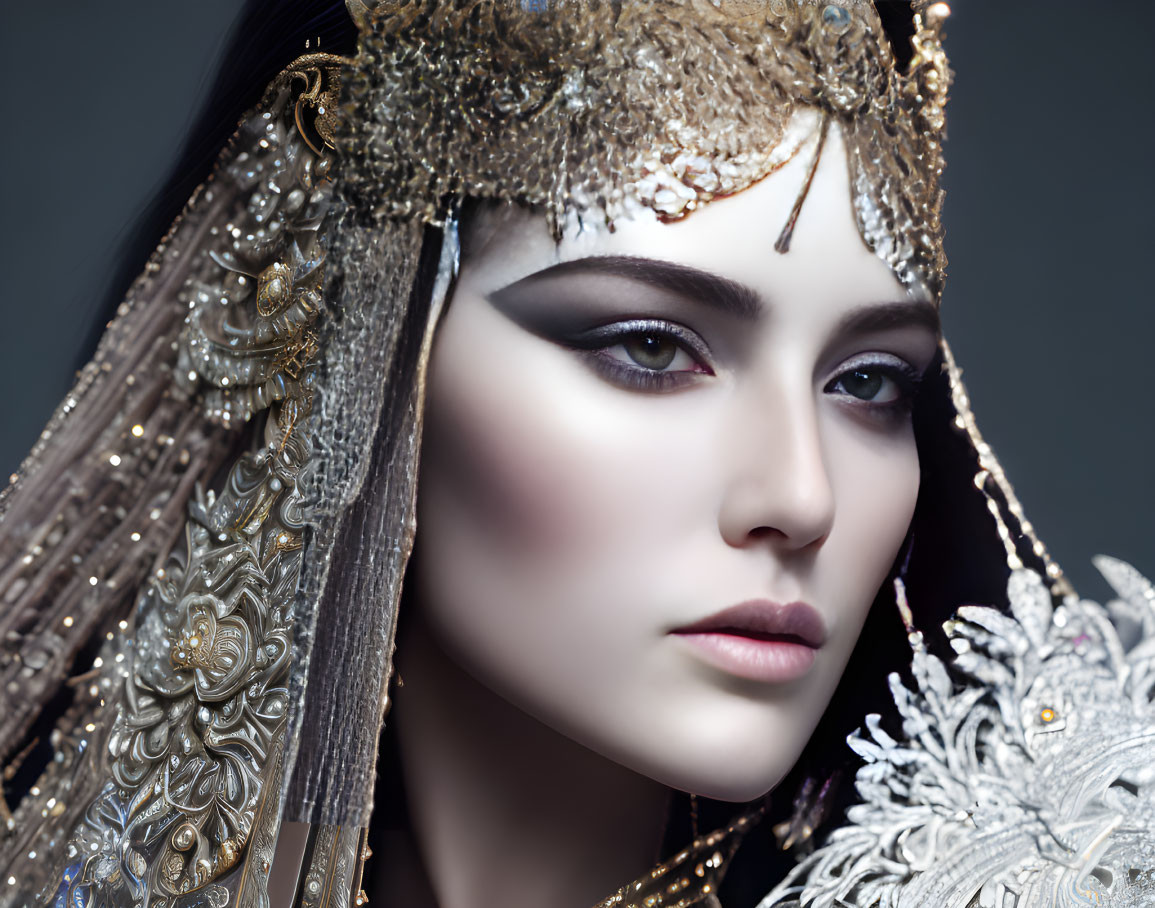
(828, 263)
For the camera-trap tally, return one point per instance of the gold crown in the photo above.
(587, 108)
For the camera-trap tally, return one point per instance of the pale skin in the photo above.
(580, 499)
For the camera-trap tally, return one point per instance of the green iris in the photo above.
(650, 351)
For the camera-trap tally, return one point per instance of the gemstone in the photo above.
(836, 18)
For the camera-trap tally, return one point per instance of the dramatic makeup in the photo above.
(644, 308)
(649, 453)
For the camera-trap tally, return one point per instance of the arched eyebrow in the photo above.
(730, 297)
(878, 318)
(887, 316)
(692, 284)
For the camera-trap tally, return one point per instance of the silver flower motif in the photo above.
(1025, 772)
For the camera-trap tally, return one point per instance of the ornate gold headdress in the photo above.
(592, 107)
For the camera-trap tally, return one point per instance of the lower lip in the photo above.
(769, 661)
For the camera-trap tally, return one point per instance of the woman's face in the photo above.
(630, 433)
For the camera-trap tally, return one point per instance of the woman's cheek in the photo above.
(535, 457)
(558, 516)
(876, 480)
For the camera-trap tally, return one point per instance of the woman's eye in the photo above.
(892, 383)
(645, 355)
(871, 385)
(653, 352)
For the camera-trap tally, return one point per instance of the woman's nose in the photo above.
(778, 485)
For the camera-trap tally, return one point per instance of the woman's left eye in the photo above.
(888, 383)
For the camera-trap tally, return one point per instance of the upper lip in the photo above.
(761, 618)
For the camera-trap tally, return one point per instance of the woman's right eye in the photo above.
(654, 352)
(646, 356)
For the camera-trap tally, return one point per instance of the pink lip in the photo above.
(759, 640)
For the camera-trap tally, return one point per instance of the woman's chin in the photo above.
(739, 791)
(707, 774)
(735, 784)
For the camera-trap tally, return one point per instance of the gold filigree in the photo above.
(274, 289)
(593, 109)
(315, 110)
(692, 876)
(296, 355)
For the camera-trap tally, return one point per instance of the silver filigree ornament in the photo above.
(192, 750)
(1024, 776)
(205, 707)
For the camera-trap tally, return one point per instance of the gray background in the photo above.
(1050, 193)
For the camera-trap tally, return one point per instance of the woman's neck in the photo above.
(506, 811)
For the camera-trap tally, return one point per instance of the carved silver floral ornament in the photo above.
(1024, 774)
(175, 780)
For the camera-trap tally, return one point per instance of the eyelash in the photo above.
(595, 344)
